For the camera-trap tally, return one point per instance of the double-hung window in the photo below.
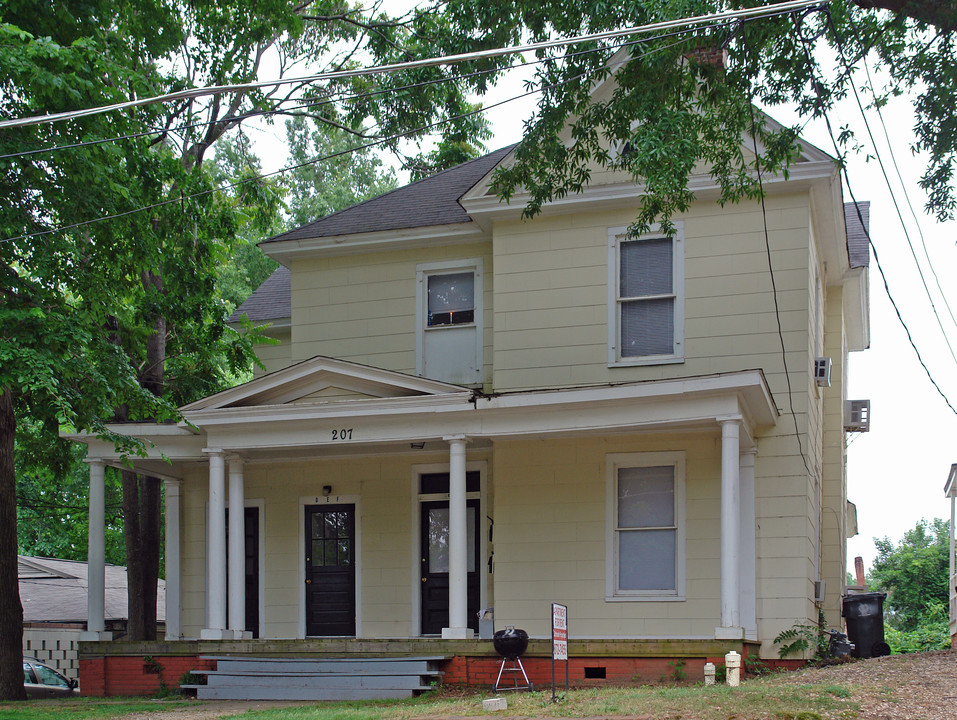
(645, 526)
(645, 298)
(449, 321)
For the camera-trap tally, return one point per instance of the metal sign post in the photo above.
(559, 642)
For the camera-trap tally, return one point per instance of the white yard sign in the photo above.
(559, 632)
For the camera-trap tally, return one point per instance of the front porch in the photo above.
(142, 668)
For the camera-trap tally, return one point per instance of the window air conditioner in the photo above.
(857, 415)
(822, 371)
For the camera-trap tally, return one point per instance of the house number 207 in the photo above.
(342, 434)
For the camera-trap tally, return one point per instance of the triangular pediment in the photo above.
(324, 380)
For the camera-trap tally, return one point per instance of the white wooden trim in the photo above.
(616, 236)
(481, 529)
(614, 461)
(301, 574)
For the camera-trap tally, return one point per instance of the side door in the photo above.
(434, 566)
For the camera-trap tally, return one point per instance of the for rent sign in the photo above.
(559, 632)
(559, 641)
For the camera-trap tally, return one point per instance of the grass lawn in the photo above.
(84, 708)
(754, 700)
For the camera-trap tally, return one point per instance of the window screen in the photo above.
(646, 297)
(451, 299)
(647, 532)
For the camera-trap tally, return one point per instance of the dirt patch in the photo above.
(921, 686)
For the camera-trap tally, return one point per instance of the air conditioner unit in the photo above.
(857, 415)
(822, 371)
(820, 588)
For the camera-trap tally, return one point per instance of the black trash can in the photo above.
(865, 624)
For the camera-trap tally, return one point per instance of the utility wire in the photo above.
(312, 161)
(325, 101)
(887, 289)
(893, 195)
(774, 290)
(900, 178)
(699, 20)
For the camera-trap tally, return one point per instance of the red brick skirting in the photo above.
(147, 675)
(110, 676)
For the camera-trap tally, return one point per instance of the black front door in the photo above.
(330, 570)
(251, 531)
(435, 566)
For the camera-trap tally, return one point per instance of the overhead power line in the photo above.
(699, 20)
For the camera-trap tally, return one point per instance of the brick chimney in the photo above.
(859, 570)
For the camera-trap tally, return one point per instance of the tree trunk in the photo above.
(141, 498)
(141, 510)
(11, 611)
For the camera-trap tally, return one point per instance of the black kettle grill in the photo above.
(511, 643)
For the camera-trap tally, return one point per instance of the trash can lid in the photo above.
(861, 597)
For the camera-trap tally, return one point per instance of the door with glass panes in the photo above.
(434, 545)
(330, 570)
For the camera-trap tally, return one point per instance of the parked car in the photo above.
(45, 682)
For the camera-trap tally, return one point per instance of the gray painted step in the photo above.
(303, 678)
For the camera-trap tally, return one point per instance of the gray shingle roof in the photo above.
(55, 591)
(271, 301)
(431, 201)
(858, 249)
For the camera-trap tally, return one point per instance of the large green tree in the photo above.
(674, 108)
(914, 573)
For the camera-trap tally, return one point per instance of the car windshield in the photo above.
(47, 676)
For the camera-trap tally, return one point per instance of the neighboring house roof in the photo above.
(431, 201)
(858, 247)
(270, 301)
(55, 591)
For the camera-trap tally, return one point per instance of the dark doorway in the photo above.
(330, 570)
(435, 566)
(251, 531)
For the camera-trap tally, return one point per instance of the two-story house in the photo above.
(465, 409)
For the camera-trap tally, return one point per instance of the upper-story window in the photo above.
(645, 298)
(449, 321)
(451, 299)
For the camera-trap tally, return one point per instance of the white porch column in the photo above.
(237, 549)
(458, 542)
(748, 595)
(174, 628)
(730, 628)
(216, 550)
(96, 557)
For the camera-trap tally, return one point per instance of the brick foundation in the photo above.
(112, 676)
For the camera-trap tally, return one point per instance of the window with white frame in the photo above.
(449, 321)
(645, 297)
(646, 526)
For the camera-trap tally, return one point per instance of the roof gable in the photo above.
(323, 380)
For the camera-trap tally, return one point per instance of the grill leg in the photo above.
(499, 678)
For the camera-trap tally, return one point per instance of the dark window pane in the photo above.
(648, 327)
(646, 268)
